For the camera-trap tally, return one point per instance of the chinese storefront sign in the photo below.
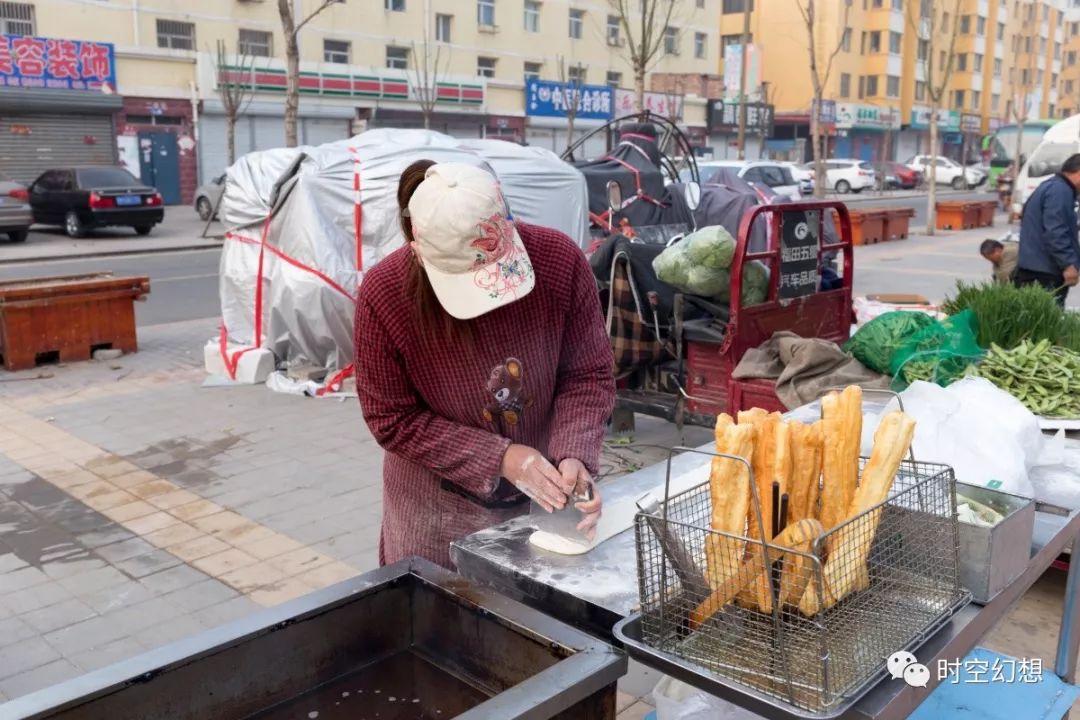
(544, 98)
(827, 112)
(33, 62)
(724, 117)
(946, 119)
(871, 117)
(669, 106)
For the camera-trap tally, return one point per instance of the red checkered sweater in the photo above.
(427, 400)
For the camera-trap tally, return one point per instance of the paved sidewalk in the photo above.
(138, 507)
(181, 230)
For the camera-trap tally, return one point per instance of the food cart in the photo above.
(597, 591)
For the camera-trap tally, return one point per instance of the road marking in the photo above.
(267, 566)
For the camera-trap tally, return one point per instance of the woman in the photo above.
(482, 365)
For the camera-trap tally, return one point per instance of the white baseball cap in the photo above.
(467, 242)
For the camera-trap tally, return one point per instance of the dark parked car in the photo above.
(15, 216)
(80, 199)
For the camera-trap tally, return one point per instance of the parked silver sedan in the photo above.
(208, 195)
(15, 215)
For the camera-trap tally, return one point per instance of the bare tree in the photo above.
(570, 80)
(235, 89)
(425, 71)
(1023, 85)
(934, 21)
(291, 26)
(644, 29)
(819, 77)
(674, 92)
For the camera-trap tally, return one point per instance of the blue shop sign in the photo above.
(545, 98)
(51, 63)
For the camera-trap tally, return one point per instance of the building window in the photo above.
(575, 74)
(1057, 51)
(614, 79)
(736, 6)
(1068, 87)
(961, 62)
(16, 18)
(577, 23)
(958, 100)
(895, 39)
(700, 45)
(485, 13)
(845, 85)
(892, 86)
(1070, 58)
(671, 41)
(997, 67)
(532, 16)
(995, 103)
(443, 26)
(397, 57)
(845, 40)
(532, 71)
(727, 41)
(920, 91)
(976, 99)
(897, 4)
(977, 60)
(924, 49)
(862, 86)
(614, 30)
(1042, 46)
(393, 5)
(175, 35)
(336, 51)
(701, 3)
(875, 41)
(1001, 31)
(871, 86)
(255, 42)
(980, 26)
(942, 57)
(1025, 77)
(485, 67)
(965, 24)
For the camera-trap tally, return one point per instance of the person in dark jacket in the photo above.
(1049, 248)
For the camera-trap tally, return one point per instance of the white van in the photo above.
(1060, 141)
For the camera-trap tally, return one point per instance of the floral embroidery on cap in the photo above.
(505, 276)
(496, 237)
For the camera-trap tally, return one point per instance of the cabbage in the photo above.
(672, 266)
(755, 284)
(712, 247)
(707, 282)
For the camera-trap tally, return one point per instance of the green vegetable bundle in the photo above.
(875, 343)
(1044, 377)
(941, 352)
(1006, 315)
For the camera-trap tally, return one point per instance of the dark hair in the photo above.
(1072, 164)
(988, 246)
(431, 318)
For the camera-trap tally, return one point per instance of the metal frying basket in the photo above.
(782, 634)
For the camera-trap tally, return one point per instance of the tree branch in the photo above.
(839, 44)
(325, 4)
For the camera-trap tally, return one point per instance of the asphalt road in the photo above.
(183, 285)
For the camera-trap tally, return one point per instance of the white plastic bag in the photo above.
(985, 434)
(675, 700)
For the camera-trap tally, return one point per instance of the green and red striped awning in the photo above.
(344, 85)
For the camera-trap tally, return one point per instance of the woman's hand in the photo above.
(532, 474)
(573, 472)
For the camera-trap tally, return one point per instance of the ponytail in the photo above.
(430, 317)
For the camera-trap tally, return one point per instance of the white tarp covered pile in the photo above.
(320, 200)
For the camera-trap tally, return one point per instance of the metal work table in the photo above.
(595, 590)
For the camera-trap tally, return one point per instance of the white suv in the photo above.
(846, 176)
(948, 172)
(763, 172)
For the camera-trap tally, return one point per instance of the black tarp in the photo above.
(634, 163)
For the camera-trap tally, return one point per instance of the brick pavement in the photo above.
(138, 507)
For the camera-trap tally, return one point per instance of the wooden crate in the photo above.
(67, 318)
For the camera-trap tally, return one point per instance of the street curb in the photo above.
(109, 253)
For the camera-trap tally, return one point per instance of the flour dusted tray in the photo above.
(783, 662)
